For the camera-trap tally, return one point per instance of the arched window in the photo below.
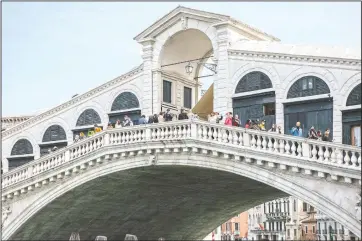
(253, 81)
(124, 101)
(354, 98)
(22, 147)
(54, 133)
(308, 86)
(88, 117)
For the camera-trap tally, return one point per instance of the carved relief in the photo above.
(184, 22)
(5, 213)
(358, 206)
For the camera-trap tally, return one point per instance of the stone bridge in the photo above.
(177, 180)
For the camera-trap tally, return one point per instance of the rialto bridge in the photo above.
(181, 179)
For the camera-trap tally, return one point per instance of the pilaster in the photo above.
(147, 56)
(222, 100)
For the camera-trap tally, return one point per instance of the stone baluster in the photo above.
(162, 132)
(326, 155)
(241, 138)
(209, 134)
(214, 134)
(347, 159)
(320, 153)
(219, 134)
(230, 137)
(293, 149)
(281, 146)
(258, 142)
(188, 130)
(263, 143)
(287, 147)
(359, 160)
(184, 131)
(299, 149)
(179, 132)
(235, 138)
(174, 131)
(224, 136)
(270, 144)
(204, 132)
(153, 134)
(339, 153)
(276, 145)
(253, 141)
(354, 159)
(314, 152)
(333, 155)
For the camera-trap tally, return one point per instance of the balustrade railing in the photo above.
(272, 143)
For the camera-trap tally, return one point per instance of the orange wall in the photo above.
(243, 224)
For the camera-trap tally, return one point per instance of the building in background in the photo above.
(282, 219)
(328, 229)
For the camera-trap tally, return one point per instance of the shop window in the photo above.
(167, 89)
(269, 109)
(187, 97)
(356, 136)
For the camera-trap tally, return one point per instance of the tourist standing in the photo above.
(182, 115)
(142, 120)
(168, 115)
(228, 120)
(297, 130)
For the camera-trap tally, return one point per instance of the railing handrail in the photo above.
(175, 123)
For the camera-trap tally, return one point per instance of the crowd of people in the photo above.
(216, 118)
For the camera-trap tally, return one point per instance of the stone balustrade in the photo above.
(267, 144)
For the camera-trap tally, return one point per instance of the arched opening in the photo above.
(54, 138)
(186, 60)
(351, 118)
(85, 123)
(21, 153)
(259, 105)
(125, 104)
(312, 112)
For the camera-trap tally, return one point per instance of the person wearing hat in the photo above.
(297, 130)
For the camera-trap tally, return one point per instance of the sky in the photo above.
(52, 51)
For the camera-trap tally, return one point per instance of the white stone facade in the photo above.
(237, 49)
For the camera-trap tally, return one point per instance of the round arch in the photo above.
(56, 121)
(253, 81)
(245, 69)
(88, 117)
(349, 85)
(22, 147)
(58, 133)
(184, 45)
(354, 96)
(91, 105)
(125, 100)
(256, 173)
(308, 86)
(301, 72)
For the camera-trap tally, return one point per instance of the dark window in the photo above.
(167, 90)
(354, 98)
(306, 229)
(22, 147)
(295, 233)
(294, 206)
(304, 207)
(88, 117)
(236, 226)
(308, 86)
(187, 97)
(54, 133)
(253, 81)
(288, 233)
(311, 209)
(124, 101)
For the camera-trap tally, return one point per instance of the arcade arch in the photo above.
(54, 136)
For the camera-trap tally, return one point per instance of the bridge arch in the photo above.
(284, 185)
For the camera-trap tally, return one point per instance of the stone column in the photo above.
(337, 117)
(222, 96)
(157, 91)
(147, 87)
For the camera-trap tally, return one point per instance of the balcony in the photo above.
(341, 231)
(277, 215)
(324, 231)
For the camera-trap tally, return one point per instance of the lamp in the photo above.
(189, 68)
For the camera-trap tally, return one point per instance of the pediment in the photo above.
(180, 13)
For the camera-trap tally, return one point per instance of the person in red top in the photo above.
(228, 119)
(247, 124)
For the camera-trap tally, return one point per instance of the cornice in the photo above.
(16, 128)
(297, 58)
